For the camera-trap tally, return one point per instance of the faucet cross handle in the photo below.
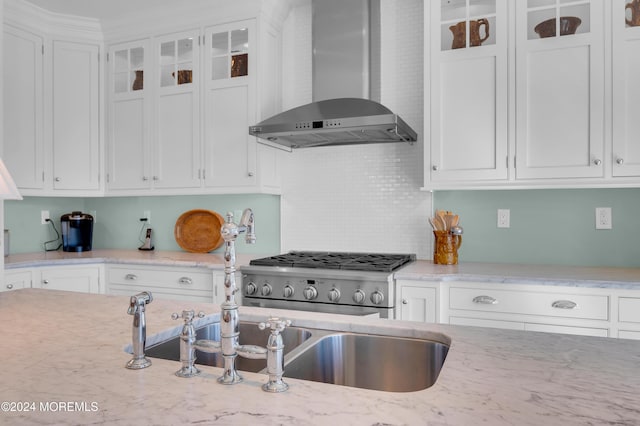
(187, 315)
(276, 325)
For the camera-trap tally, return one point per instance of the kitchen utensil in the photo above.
(568, 25)
(198, 231)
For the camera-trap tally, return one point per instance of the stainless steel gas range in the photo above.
(334, 282)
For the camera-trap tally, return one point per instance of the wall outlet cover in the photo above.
(603, 218)
(504, 218)
(44, 215)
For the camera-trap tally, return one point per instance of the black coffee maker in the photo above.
(77, 231)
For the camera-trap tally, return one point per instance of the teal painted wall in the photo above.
(554, 226)
(118, 223)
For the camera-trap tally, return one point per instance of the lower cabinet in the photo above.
(85, 279)
(16, 279)
(629, 317)
(187, 284)
(416, 302)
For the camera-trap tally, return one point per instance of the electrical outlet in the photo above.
(147, 214)
(504, 218)
(44, 215)
(603, 218)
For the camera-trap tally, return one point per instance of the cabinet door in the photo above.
(626, 108)
(15, 280)
(177, 112)
(129, 86)
(230, 105)
(468, 91)
(76, 103)
(85, 280)
(559, 89)
(417, 303)
(23, 150)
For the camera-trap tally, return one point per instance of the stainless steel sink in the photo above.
(250, 334)
(383, 363)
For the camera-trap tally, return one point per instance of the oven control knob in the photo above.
(251, 288)
(287, 291)
(359, 296)
(377, 297)
(266, 289)
(334, 295)
(310, 293)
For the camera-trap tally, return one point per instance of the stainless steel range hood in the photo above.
(341, 121)
(340, 113)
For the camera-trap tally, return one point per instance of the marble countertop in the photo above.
(422, 270)
(66, 350)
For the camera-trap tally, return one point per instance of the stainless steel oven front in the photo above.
(349, 292)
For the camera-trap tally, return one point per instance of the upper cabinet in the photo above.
(626, 69)
(518, 94)
(469, 99)
(52, 104)
(559, 89)
(185, 130)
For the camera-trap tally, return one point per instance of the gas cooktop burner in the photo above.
(336, 260)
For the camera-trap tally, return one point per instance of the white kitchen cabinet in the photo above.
(469, 75)
(528, 307)
(521, 108)
(16, 279)
(85, 279)
(186, 284)
(416, 302)
(23, 151)
(176, 150)
(129, 128)
(559, 90)
(626, 92)
(75, 116)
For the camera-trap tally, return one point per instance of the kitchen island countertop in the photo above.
(64, 353)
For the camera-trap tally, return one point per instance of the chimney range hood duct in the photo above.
(345, 120)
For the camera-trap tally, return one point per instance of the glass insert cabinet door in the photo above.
(176, 62)
(128, 70)
(467, 23)
(229, 54)
(557, 18)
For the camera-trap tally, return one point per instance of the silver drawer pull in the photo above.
(131, 277)
(564, 304)
(185, 280)
(485, 300)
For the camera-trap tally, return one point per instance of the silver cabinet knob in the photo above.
(57, 179)
(597, 161)
(434, 168)
(10, 286)
(485, 300)
(405, 302)
(620, 161)
(250, 174)
(45, 282)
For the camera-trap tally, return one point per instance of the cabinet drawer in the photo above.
(161, 278)
(629, 309)
(627, 334)
(530, 303)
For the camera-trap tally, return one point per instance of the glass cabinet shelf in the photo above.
(467, 23)
(556, 18)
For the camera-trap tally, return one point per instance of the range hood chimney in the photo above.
(341, 112)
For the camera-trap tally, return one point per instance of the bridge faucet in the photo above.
(139, 330)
